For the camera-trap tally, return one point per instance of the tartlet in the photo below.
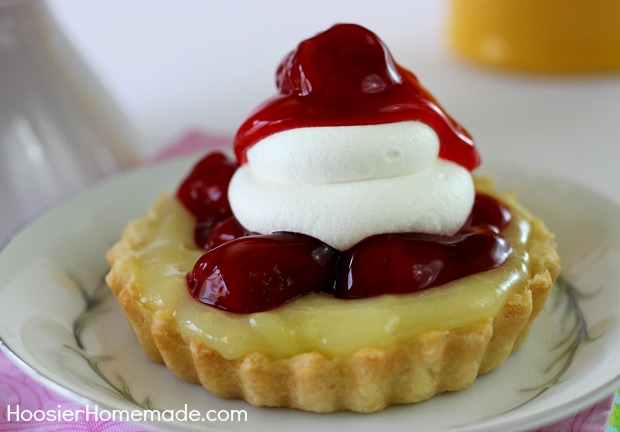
(366, 379)
(337, 346)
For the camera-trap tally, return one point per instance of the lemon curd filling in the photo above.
(314, 322)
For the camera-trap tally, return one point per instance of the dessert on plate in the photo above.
(344, 258)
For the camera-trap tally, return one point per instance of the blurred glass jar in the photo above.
(58, 132)
(555, 36)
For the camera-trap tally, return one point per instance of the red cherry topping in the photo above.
(315, 69)
(405, 263)
(204, 192)
(346, 76)
(223, 232)
(258, 273)
(488, 212)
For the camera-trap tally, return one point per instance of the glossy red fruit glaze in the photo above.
(346, 76)
(406, 263)
(204, 192)
(487, 212)
(259, 273)
(222, 232)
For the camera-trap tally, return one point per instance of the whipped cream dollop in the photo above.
(341, 184)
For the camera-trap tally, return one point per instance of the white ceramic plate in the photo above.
(58, 322)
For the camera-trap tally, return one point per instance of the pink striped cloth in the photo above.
(18, 389)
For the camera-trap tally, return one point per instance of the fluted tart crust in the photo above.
(367, 379)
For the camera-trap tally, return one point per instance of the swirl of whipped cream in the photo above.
(341, 184)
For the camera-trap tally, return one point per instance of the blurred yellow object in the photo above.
(538, 35)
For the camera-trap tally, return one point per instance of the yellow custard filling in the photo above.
(165, 251)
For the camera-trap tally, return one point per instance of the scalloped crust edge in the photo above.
(365, 381)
